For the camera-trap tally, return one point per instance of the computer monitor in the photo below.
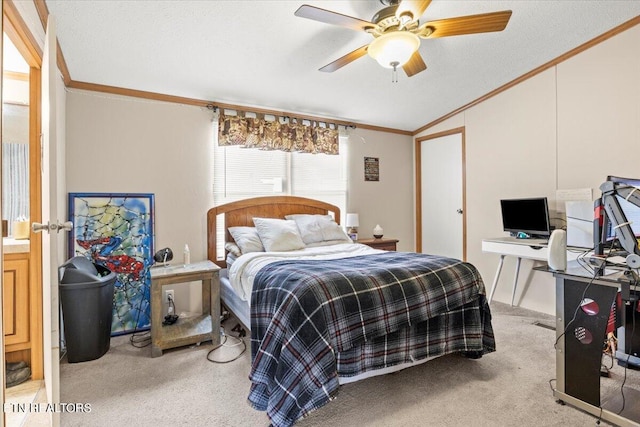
(527, 216)
(631, 211)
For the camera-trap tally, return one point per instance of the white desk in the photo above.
(535, 249)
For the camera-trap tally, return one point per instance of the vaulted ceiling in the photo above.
(258, 54)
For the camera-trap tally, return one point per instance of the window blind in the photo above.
(15, 182)
(321, 176)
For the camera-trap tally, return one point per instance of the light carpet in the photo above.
(182, 388)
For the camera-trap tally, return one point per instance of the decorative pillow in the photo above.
(332, 231)
(232, 248)
(318, 228)
(278, 235)
(247, 239)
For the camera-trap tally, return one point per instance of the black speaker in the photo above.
(163, 255)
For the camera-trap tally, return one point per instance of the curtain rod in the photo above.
(215, 108)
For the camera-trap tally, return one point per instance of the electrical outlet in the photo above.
(167, 293)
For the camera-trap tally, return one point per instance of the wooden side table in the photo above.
(190, 330)
(384, 244)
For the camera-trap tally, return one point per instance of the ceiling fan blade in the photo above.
(334, 18)
(414, 65)
(412, 8)
(348, 58)
(472, 24)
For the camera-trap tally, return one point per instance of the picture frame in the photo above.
(116, 230)
(371, 169)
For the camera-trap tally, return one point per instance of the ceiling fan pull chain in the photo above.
(394, 72)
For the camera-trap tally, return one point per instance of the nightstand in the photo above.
(191, 330)
(384, 244)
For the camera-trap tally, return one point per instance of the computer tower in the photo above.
(628, 350)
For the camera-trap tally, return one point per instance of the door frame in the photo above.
(418, 185)
(19, 34)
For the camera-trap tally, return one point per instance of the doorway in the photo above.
(22, 283)
(440, 194)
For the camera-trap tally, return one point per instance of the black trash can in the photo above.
(86, 294)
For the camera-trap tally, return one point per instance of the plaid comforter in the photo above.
(312, 319)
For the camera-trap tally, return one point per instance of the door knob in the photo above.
(48, 227)
(65, 226)
(36, 227)
(459, 211)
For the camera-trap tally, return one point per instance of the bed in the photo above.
(323, 311)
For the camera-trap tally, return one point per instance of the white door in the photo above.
(52, 212)
(442, 196)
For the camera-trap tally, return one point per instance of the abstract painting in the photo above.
(116, 230)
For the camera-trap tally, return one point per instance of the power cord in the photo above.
(634, 308)
(239, 342)
(595, 272)
(144, 339)
(575, 313)
(585, 263)
(171, 317)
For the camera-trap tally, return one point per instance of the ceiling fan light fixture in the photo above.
(394, 49)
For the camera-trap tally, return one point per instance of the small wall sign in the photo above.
(371, 169)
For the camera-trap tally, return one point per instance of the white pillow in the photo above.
(278, 235)
(231, 258)
(332, 231)
(247, 239)
(232, 248)
(308, 226)
(318, 228)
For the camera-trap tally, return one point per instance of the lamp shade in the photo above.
(352, 220)
(394, 49)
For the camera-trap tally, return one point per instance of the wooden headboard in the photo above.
(242, 212)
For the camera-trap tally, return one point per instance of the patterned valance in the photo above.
(277, 134)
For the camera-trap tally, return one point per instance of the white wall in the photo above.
(126, 145)
(599, 112)
(565, 128)
(388, 202)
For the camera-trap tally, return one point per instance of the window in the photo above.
(241, 173)
(15, 182)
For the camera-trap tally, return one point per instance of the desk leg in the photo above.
(515, 280)
(495, 279)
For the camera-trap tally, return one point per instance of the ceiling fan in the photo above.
(397, 32)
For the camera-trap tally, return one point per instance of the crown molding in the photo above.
(605, 36)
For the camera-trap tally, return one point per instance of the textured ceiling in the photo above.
(257, 53)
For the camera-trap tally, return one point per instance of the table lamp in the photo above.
(352, 224)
